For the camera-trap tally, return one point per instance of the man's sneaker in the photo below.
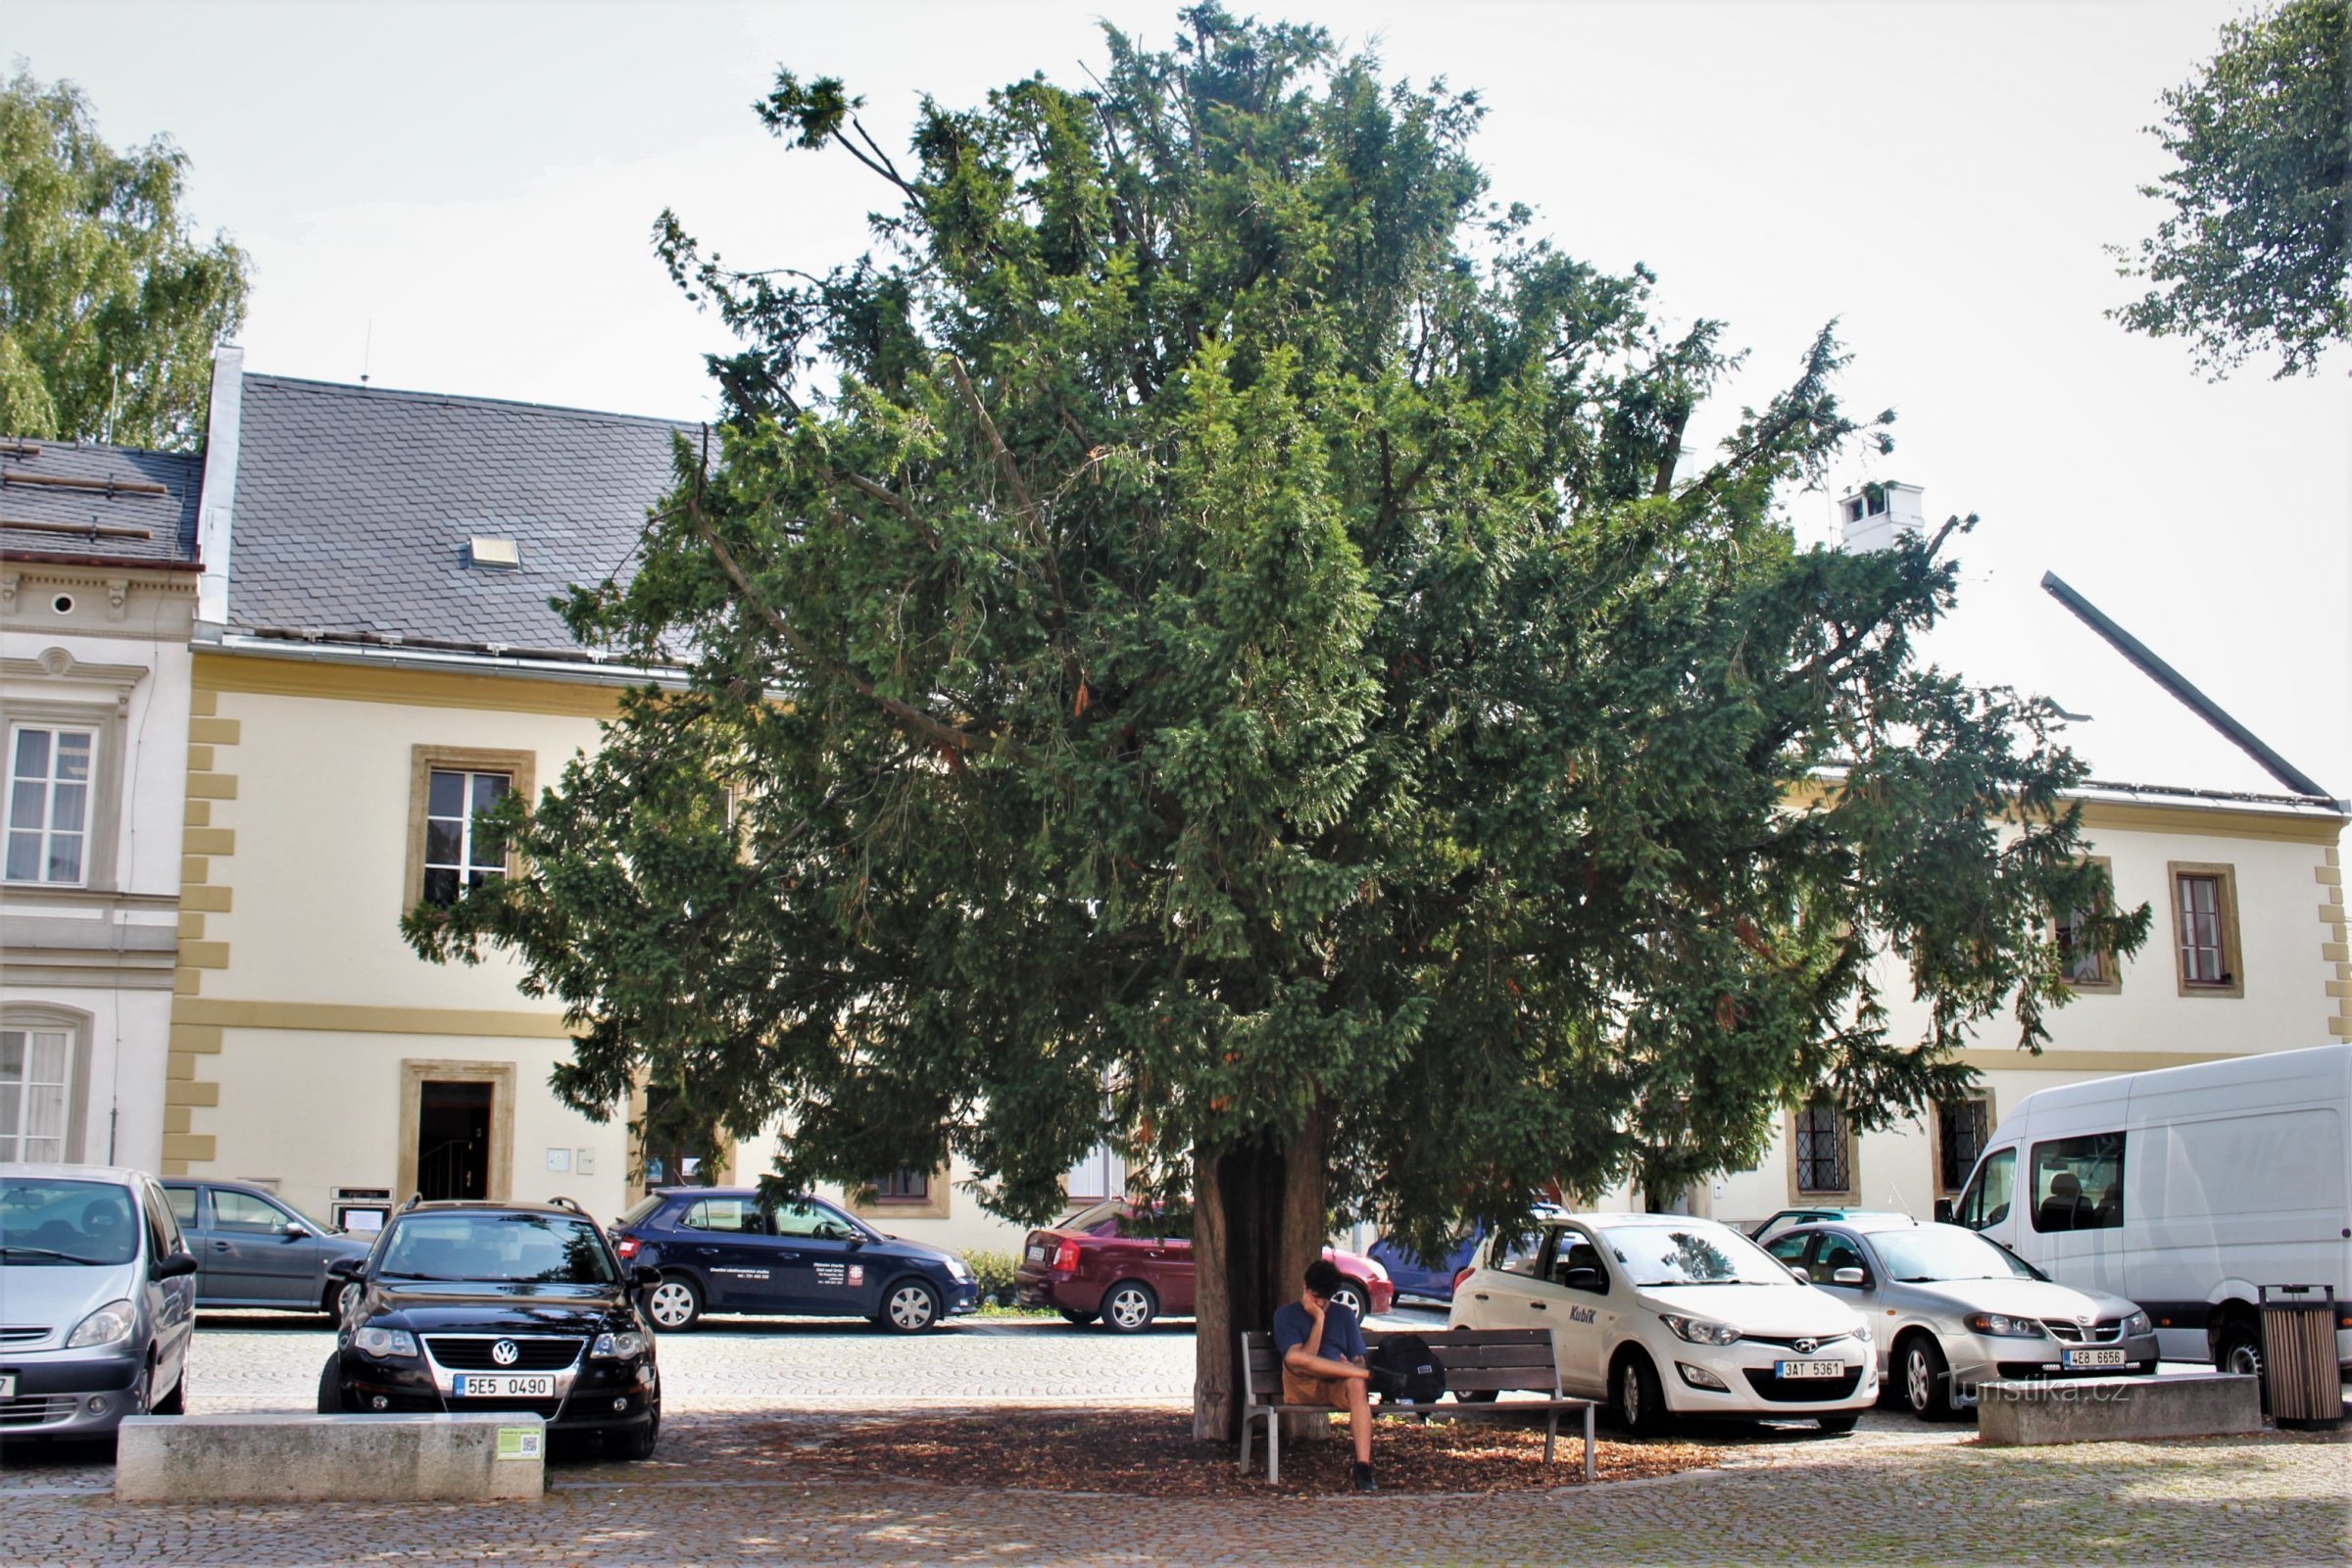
(1363, 1478)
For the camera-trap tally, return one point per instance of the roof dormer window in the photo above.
(493, 553)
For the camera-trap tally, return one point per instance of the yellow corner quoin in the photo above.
(504, 691)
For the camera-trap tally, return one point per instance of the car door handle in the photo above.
(1539, 1306)
(222, 1247)
(705, 1251)
(1479, 1295)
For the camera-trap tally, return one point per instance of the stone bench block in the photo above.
(331, 1459)
(2118, 1409)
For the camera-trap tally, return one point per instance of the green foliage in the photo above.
(994, 1272)
(2256, 253)
(110, 309)
(1200, 635)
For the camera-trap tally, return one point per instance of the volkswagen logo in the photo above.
(1807, 1347)
(505, 1353)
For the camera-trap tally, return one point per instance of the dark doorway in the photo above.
(453, 1140)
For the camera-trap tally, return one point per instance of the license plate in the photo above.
(8, 1386)
(494, 1386)
(1810, 1369)
(2074, 1358)
(1037, 1254)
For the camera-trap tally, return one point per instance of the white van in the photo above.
(2183, 1190)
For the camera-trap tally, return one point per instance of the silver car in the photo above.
(1953, 1311)
(97, 1300)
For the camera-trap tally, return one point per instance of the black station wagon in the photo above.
(497, 1307)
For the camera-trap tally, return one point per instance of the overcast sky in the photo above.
(457, 198)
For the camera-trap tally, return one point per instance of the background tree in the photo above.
(2256, 253)
(109, 308)
(1199, 641)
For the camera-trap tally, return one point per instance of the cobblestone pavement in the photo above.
(1892, 1492)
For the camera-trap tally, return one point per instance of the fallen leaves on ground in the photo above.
(1151, 1452)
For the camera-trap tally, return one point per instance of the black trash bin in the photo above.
(2298, 1356)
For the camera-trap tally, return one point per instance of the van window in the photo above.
(2078, 1183)
(1985, 1203)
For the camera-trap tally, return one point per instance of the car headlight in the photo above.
(959, 1269)
(2001, 1326)
(2137, 1324)
(385, 1342)
(1698, 1331)
(618, 1346)
(107, 1324)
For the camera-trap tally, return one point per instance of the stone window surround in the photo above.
(75, 1026)
(105, 717)
(1824, 1197)
(936, 1204)
(2111, 971)
(1935, 1121)
(414, 1074)
(2232, 954)
(519, 767)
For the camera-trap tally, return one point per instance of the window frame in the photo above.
(50, 782)
(2233, 959)
(1799, 1193)
(75, 1027)
(520, 768)
(104, 721)
(1935, 1143)
(2034, 1166)
(2110, 979)
(868, 1200)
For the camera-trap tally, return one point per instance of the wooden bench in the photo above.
(1488, 1364)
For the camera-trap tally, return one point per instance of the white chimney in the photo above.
(219, 492)
(1873, 515)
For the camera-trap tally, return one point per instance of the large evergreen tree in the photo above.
(1204, 640)
(110, 306)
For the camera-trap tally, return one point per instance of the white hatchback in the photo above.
(1664, 1316)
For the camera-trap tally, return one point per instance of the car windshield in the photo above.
(1697, 1253)
(1945, 1252)
(55, 1222)
(498, 1249)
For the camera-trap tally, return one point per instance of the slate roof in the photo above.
(105, 509)
(355, 506)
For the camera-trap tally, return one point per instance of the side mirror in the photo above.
(346, 1268)
(1801, 1277)
(1943, 1211)
(1846, 1276)
(295, 1230)
(645, 1278)
(178, 1265)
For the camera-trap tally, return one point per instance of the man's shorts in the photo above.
(1297, 1390)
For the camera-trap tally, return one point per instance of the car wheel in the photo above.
(330, 1386)
(675, 1303)
(911, 1307)
(1838, 1426)
(1476, 1395)
(1640, 1399)
(1927, 1377)
(173, 1403)
(338, 1297)
(1079, 1318)
(639, 1441)
(1351, 1297)
(2238, 1348)
(1129, 1306)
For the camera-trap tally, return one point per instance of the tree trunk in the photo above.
(1259, 1218)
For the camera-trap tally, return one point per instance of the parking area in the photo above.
(1894, 1491)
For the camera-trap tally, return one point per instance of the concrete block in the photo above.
(331, 1459)
(2118, 1409)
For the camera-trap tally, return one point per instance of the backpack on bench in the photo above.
(1405, 1370)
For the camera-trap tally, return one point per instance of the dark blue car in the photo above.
(717, 1249)
(1432, 1279)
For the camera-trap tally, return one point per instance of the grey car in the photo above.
(97, 1300)
(1953, 1311)
(256, 1249)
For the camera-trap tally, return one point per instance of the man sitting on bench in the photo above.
(1322, 1350)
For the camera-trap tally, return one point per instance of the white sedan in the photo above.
(1664, 1316)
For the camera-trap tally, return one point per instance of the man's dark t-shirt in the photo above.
(1343, 1339)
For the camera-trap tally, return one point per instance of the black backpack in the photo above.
(1405, 1370)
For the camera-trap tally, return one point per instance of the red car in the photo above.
(1107, 1261)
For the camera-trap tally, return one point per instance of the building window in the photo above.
(450, 849)
(1961, 1127)
(906, 1185)
(2086, 965)
(1823, 1162)
(49, 782)
(36, 1092)
(2205, 930)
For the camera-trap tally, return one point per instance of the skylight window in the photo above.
(485, 549)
